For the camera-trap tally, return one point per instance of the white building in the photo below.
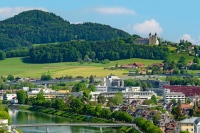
(25, 88)
(127, 95)
(101, 88)
(9, 96)
(112, 81)
(197, 125)
(168, 96)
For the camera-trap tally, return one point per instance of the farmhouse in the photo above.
(134, 65)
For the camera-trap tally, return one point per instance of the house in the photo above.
(191, 47)
(160, 65)
(138, 64)
(134, 65)
(197, 125)
(188, 124)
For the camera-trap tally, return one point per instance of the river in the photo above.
(27, 117)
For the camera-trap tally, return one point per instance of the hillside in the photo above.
(36, 27)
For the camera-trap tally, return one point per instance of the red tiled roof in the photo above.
(187, 90)
(185, 106)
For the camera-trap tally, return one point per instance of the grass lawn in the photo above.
(172, 48)
(176, 56)
(23, 68)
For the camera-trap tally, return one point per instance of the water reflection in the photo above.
(26, 117)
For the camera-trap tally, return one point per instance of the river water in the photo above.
(27, 117)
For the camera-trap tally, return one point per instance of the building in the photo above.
(134, 65)
(9, 97)
(153, 39)
(168, 96)
(197, 125)
(187, 90)
(188, 124)
(112, 81)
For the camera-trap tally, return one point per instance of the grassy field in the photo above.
(172, 48)
(176, 56)
(22, 67)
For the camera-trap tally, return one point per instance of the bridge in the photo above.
(100, 125)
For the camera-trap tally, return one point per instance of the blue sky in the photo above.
(172, 20)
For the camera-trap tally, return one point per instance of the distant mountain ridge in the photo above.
(36, 26)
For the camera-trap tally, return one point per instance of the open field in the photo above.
(176, 56)
(21, 67)
(172, 48)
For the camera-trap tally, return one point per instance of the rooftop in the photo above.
(189, 120)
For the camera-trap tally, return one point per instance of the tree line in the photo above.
(95, 51)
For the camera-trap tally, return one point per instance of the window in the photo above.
(191, 129)
(187, 125)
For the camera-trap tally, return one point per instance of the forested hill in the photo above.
(37, 26)
(95, 51)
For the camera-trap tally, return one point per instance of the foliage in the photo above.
(117, 99)
(101, 99)
(46, 77)
(76, 105)
(92, 87)
(45, 27)
(10, 77)
(105, 51)
(156, 117)
(153, 98)
(183, 81)
(2, 55)
(21, 96)
(148, 102)
(186, 131)
(147, 126)
(131, 82)
(91, 79)
(79, 86)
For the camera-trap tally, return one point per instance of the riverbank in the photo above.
(72, 117)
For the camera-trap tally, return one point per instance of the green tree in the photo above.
(10, 77)
(153, 98)
(176, 71)
(2, 55)
(117, 99)
(76, 105)
(196, 60)
(40, 96)
(156, 117)
(91, 79)
(144, 86)
(21, 96)
(59, 104)
(92, 87)
(101, 99)
(46, 77)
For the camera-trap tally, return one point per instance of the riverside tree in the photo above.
(21, 96)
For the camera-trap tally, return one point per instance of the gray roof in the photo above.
(189, 120)
(197, 121)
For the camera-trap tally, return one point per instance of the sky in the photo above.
(172, 20)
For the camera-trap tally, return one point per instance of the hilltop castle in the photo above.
(153, 39)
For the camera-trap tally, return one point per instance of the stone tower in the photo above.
(153, 39)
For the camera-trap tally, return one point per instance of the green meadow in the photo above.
(22, 67)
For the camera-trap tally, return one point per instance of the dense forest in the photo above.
(95, 51)
(36, 27)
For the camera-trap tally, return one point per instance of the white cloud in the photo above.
(187, 37)
(148, 26)
(115, 10)
(7, 12)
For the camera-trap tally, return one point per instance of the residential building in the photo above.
(188, 124)
(168, 96)
(9, 97)
(197, 125)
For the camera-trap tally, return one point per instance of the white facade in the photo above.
(25, 88)
(101, 88)
(35, 90)
(9, 96)
(168, 96)
(126, 95)
(197, 125)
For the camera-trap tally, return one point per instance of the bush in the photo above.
(105, 61)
